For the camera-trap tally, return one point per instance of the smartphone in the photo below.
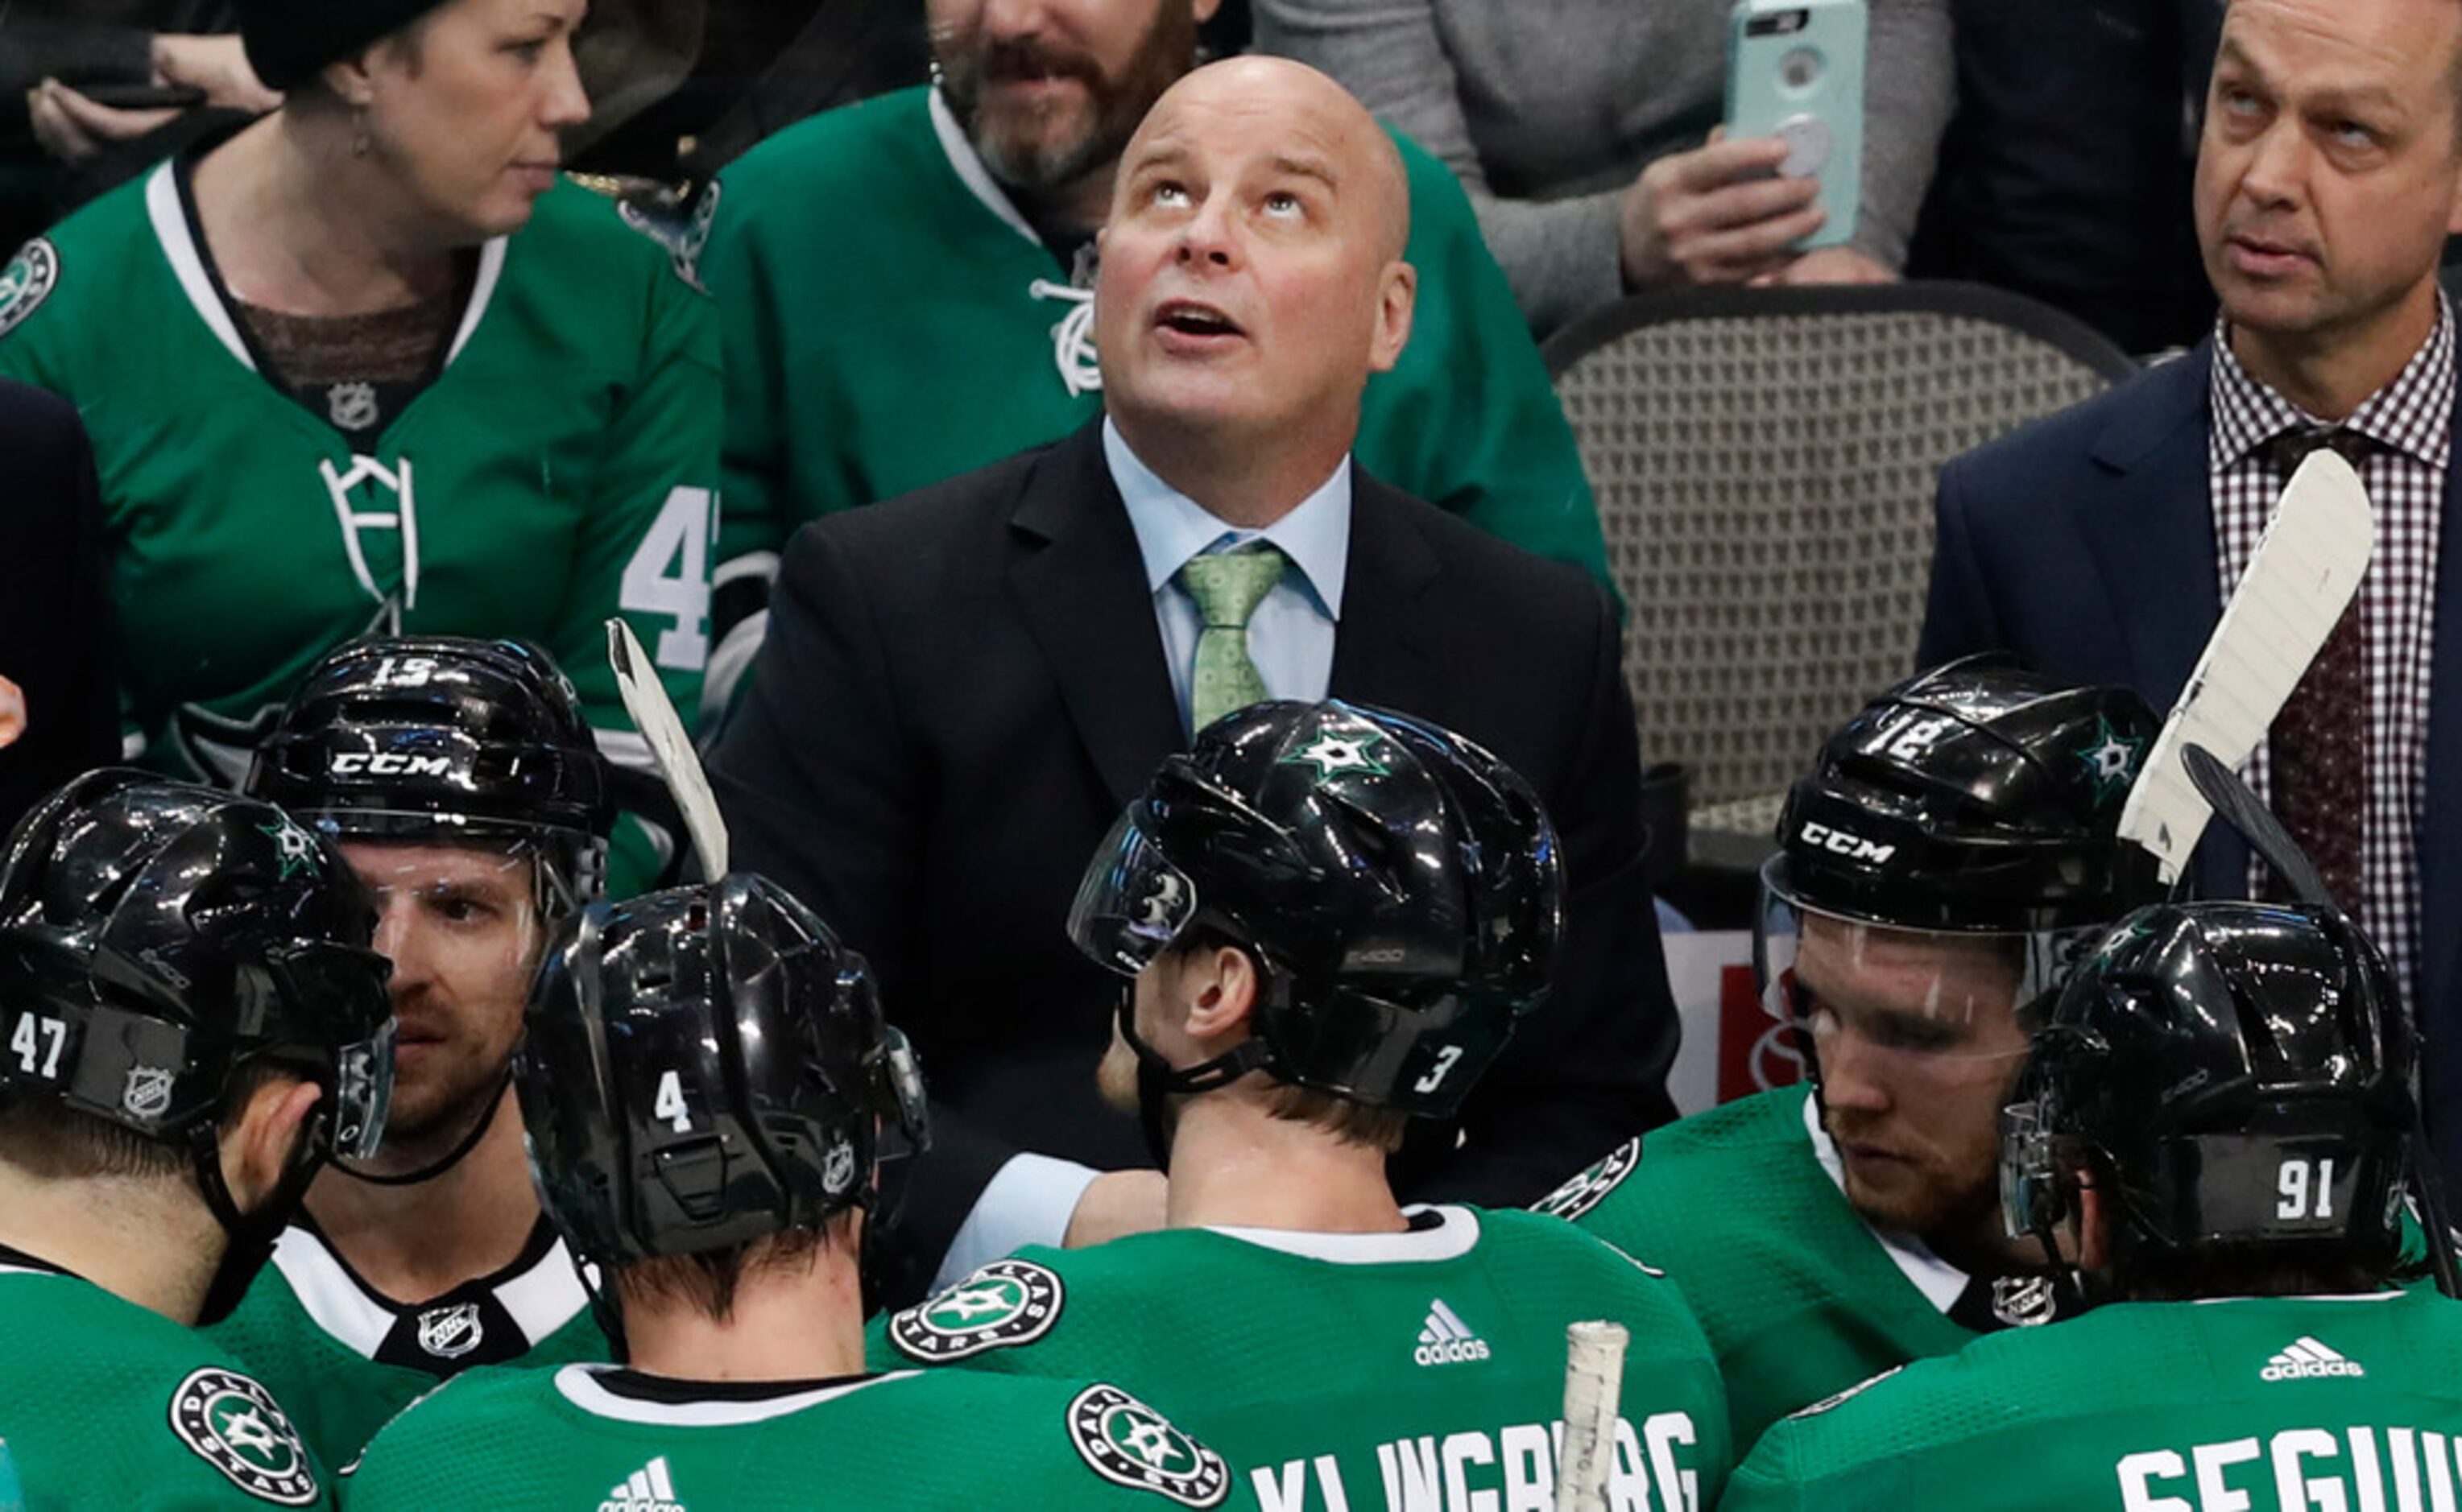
(142, 97)
(1795, 71)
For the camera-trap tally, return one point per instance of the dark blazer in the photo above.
(2086, 544)
(962, 689)
(54, 619)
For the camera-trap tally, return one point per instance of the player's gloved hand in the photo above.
(1716, 215)
(13, 712)
(74, 128)
(1114, 1203)
(217, 65)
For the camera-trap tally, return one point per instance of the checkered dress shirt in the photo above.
(2412, 418)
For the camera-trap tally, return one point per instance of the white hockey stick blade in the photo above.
(2306, 568)
(1594, 1386)
(654, 714)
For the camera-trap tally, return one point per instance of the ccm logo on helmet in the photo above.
(1838, 843)
(385, 763)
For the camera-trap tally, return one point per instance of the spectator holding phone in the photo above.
(1585, 132)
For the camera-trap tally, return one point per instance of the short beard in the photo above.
(1036, 163)
(411, 1144)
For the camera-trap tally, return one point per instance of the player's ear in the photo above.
(1222, 992)
(260, 1145)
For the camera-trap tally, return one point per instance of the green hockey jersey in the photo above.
(107, 1406)
(2249, 1405)
(586, 1436)
(345, 1360)
(1742, 1205)
(1422, 1370)
(891, 321)
(561, 468)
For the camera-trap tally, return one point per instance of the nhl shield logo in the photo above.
(353, 406)
(837, 1168)
(27, 282)
(1132, 1445)
(232, 1423)
(147, 1092)
(449, 1333)
(2022, 1301)
(1008, 1302)
(1589, 1189)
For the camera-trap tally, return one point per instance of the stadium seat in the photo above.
(1764, 463)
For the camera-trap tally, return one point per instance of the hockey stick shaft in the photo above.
(1593, 1384)
(654, 714)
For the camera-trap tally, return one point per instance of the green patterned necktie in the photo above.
(1227, 586)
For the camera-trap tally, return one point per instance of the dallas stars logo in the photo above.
(1131, 1444)
(1007, 1302)
(1589, 1189)
(2110, 761)
(1331, 753)
(230, 1421)
(296, 846)
(2119, 939)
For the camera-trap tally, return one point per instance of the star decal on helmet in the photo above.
(1330, 754)
(296, 846)
(2110, 761)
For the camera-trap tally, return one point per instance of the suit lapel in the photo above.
(2152, 533)
(1080, 584)
(1382, 652)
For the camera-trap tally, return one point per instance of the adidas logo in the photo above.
(1445, 1339)
(645, 1490)
(2304, 1358)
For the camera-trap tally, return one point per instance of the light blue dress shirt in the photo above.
(1290, 637)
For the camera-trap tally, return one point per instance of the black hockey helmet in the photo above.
(1398, 887)
(705, 1065)
(157, 938)
(443, 739)
(2241, 1073)
(1977, 804)
(1977, 796)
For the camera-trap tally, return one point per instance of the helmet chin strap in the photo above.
(1159, 1079)
(251, 1236)
(450, 1158)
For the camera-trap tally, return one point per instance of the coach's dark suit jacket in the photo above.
(2086, 544)
(959, 692)
(55, 625)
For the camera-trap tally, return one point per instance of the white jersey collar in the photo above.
(180, 249)
(541, 1299)
(1454, 1235)
(578, 1384)
(968, 165)
(1941, 1282)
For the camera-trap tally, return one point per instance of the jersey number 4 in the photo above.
(679, 539)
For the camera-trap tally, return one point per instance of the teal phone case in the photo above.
(1795, 69)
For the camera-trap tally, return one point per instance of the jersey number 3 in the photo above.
(678, 539)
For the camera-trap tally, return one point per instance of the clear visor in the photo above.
(2026, 1171)
(363, 1095)
(1926, 995)
(1133, 903)
(477, 911)
(901, 1071)
(346, 987)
